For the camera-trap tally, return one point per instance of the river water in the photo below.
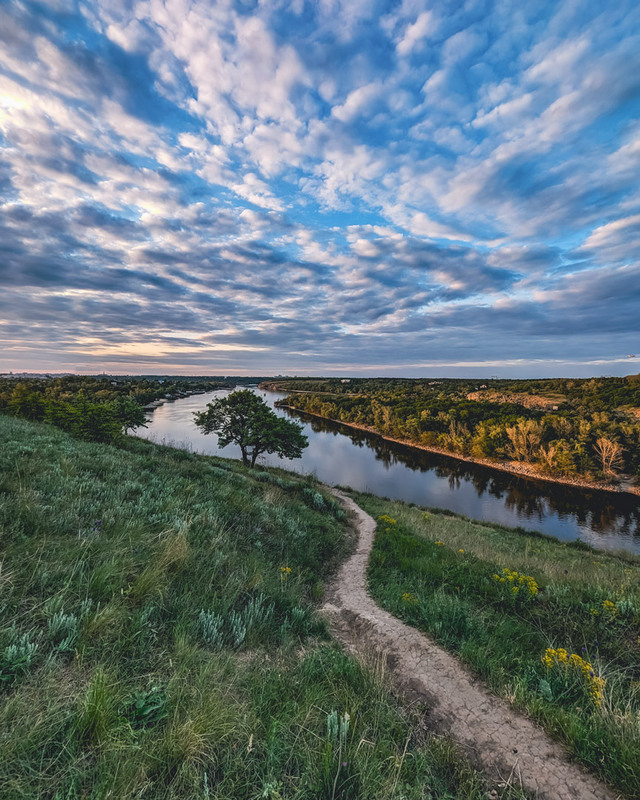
(339, 455)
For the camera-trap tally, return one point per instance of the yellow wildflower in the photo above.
(561, 660)
(518, 581)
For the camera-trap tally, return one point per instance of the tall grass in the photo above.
(553, 627)
(158, 637)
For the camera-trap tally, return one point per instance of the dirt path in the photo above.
(500, 741)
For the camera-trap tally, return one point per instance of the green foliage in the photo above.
(556, 425)
(16, 658)
(246, 420)
(129, 413)
(95, 409)
(147, 707)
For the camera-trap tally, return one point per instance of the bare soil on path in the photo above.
(500, 741)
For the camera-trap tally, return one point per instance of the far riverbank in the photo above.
(513, 467)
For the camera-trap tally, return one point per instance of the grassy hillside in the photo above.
(158, 637)
(553, 627)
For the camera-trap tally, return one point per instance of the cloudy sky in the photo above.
(329, 187)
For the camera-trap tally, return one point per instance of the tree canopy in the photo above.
(246, 420)
(563, 427)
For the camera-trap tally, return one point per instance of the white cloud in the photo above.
(257, 192)
(365, 247)
(416, 33)
(358, 101)
(616, 242)
(559, 64)
(505, 113)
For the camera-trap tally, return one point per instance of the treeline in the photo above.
(98, 409)
(587, 434)
(594, 394)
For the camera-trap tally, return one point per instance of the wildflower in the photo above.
(517, 581)
(461, 550)
(439, 543)
(409, 599)
(576, 665)
(387, 519)
(284, 573)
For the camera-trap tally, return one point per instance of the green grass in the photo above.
(153, 646)
(443, 574)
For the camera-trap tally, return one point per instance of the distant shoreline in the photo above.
(514, 468)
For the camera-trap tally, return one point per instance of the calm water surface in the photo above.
(339, 455)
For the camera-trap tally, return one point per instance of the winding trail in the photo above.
(498, 739)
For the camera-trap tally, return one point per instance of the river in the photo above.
(339, 455)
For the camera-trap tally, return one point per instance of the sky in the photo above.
(335, 187)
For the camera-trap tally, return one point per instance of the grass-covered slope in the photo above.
(158, 638)
(553, 627)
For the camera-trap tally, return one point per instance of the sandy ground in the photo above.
(501, 742)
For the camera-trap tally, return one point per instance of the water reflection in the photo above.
(526, 496)
(601, 512)
(338, 454)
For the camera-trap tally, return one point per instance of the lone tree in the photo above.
(243, 418)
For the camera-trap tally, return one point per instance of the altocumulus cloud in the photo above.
(351, 186)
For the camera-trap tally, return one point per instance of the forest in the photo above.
(94, 408)
(570, 428)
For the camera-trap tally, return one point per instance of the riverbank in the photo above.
(527, 471)
(170, 398)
